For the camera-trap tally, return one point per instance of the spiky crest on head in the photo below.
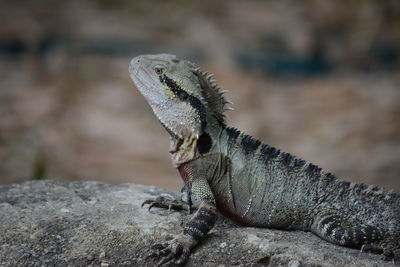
(213, 94)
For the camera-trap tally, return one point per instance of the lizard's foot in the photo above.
(371, 248)
(396, 257)
(389, 255)
(177, 249)
(165, 203)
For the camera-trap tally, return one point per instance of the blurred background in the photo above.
(318, 79)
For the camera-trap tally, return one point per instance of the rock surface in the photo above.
(51, 223)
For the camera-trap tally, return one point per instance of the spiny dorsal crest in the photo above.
(214, 95)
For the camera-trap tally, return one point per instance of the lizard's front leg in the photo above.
(195, 229)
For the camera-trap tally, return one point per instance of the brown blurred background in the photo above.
(319, 79)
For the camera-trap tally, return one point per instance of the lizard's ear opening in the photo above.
(204, 143)
(213, 95)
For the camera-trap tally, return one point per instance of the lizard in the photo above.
(229, 172)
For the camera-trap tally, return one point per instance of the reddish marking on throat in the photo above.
(186, 172)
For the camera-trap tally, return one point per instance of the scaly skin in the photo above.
(252, 183)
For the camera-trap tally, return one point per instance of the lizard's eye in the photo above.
(159, 71)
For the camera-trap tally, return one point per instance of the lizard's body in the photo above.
(250, 182)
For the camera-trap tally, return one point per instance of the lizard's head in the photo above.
(182, 97)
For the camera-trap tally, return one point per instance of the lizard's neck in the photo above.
(190, 147)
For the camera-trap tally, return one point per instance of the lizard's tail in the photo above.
(338, 230)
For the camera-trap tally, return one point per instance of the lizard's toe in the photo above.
(160, 249)
(164, 203)
(148, 201)
(159, 246)
(177, 249)
(182, 260)
(172, 251)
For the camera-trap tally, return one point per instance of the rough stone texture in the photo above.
(51, 223)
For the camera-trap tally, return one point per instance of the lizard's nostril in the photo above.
(136, 60)
(135, 63)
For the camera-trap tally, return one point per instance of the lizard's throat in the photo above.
(171, 133)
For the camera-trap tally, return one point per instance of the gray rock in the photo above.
(51, 223)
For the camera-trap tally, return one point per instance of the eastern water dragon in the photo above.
(227, 171)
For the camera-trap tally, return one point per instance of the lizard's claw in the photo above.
(177, 249)
(367, 248)
(164, 203)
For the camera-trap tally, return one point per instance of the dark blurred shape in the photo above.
(117, 47)
(276, 58)
(48, 44)
(384, 56)
(281, 64)
(12, 48)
